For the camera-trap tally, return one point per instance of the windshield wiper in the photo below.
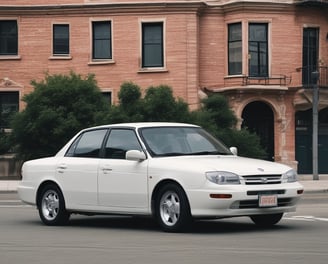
(172, 154)
(208, 153)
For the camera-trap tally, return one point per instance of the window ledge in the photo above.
(10, 57)
(101, 62)
(151, 70)
(61, 57)
(234, 76)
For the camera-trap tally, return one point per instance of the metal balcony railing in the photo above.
(308, 81)
(300, 77)
(280, 79)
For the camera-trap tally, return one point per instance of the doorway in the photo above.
(303, 141)
(258, 118)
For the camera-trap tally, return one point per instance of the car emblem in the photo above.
(260, 169)
(264, 179)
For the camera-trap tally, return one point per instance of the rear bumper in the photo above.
(27, 193)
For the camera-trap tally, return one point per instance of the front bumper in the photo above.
(244, 200)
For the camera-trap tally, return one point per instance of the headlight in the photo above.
(289, 176)
(222, 177)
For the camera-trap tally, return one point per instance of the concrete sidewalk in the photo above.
(310, 186)
(317, 186)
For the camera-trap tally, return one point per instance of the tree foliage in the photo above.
(61, 105)
(158, 104)
(5, 144)
(58, 107)
(216, 116)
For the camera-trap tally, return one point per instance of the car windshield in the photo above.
(178, 141)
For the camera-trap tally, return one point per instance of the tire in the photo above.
(172, 210)
(266, 220)
(51, 206)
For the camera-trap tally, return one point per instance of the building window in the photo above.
(258, 49)
(152, 45)
(101, 40)
(60, 39)
(8, 37)
(310, 55)
(9, 103)
(234, 49)
(107, 96)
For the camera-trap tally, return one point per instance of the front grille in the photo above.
(262, 179)
(266, 192)
(248, 204)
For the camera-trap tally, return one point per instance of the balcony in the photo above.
(305, 78)
(299, 78)
(280, 80)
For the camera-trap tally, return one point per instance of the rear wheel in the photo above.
(266, 220)
(51, 206)
(172, 209)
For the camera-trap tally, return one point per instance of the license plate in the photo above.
(268, 200)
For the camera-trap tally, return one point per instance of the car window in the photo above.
(88, 144)
(198, 143)
(119, 142)
(171, 141)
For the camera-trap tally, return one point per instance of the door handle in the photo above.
(106, 169)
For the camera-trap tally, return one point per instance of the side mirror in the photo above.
(234, 151)
(135, 155)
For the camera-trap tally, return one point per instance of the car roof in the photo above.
(145, 124)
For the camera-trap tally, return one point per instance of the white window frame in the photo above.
(150, 21)
(93, 61)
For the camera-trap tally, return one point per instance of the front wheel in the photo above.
(172, 209)
(51, 206)
(266, 220)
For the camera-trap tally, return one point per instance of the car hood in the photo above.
(235, 164)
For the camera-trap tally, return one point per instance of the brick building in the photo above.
(258, 53)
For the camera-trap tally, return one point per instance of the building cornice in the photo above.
(208, 6)
(100, 8)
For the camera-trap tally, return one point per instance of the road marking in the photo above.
(308, 218)
(16, 206)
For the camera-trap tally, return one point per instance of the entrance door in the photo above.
(258, 118)
(310, 54)
(303, 141)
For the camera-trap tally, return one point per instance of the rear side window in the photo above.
(88, 145)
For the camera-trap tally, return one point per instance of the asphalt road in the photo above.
(300, 238)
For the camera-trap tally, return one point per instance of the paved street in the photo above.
(300, 238)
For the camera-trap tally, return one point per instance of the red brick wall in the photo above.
(181, 54)
(195, 50)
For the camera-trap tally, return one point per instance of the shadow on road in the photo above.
(222, 226)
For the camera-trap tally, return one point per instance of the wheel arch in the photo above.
(158, 187)
(41, 186)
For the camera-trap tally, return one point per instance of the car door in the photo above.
(78, 170)
(122, 184)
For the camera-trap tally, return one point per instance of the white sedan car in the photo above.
(171, 171)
